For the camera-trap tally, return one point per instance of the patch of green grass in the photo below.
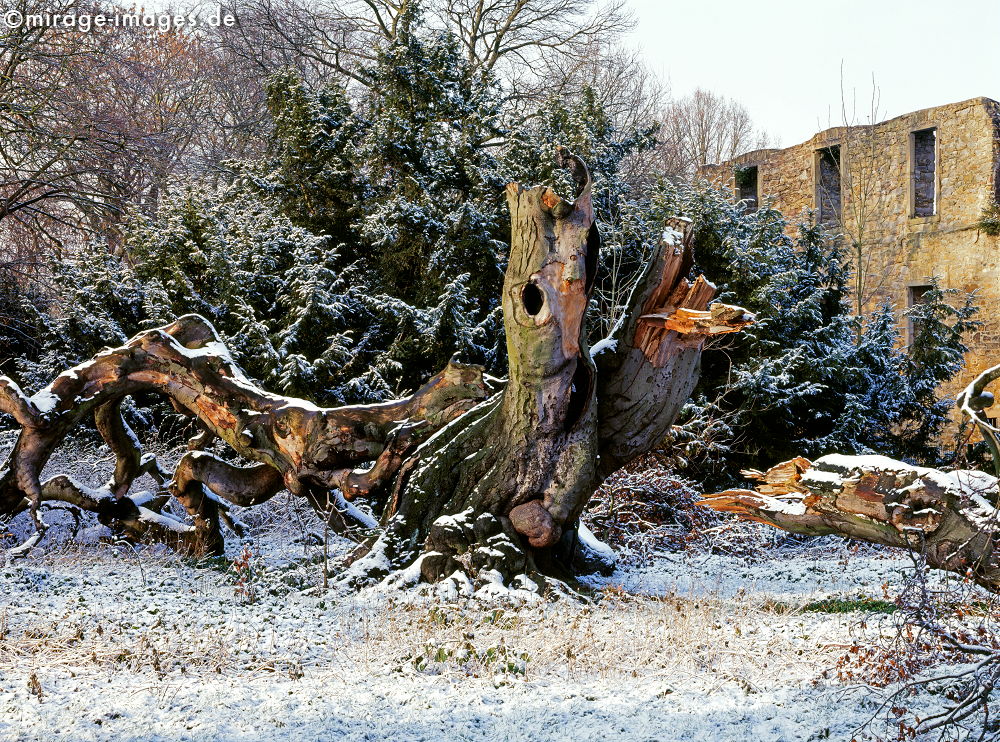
(214, 563)
(851, 605)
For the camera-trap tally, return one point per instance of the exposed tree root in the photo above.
(299, 446)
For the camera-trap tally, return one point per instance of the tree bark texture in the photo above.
(307, 449)
(464, 480)
(950, 517)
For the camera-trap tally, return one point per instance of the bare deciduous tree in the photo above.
(93, 123)
(704, 128)
(629, 93)
(496, 33)
(507, 38)
(45, 148)
(172, 103)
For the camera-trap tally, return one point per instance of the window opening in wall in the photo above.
(925, 172)
(828, 193)
(746, 186)
(915, 295)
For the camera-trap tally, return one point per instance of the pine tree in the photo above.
(935, 355)
(434, 207)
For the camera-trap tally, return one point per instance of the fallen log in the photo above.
(950, 517)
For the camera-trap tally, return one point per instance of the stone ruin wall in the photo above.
(905, 249)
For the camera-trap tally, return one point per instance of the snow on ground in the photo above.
(103, 642)
(792, 574)
(170, 652)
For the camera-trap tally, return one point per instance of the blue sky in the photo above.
(782, 58)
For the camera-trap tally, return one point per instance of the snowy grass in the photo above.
(101, 641)
(170, 652)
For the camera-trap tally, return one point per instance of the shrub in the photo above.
(989, 221)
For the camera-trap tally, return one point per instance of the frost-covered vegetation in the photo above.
(96, 650)
(346, 257)
(706, 635)
(810, 377)
(365, 248)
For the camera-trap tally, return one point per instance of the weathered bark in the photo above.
(951, 517)
(501, 487)
(948, 516)
(498, 487)
(299, 446)
(650, 363)
(973, 400)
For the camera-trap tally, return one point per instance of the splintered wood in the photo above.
(680, 306)
(780, 479)
(949, 516)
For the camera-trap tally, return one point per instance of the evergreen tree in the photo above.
(20, 304)
(368, 248)
(935, 356)
(434, 209)
(313, 173)
(94, 302)
(802, 380)
(582, 125)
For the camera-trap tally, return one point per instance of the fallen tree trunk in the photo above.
(950, 517)
(463, 480)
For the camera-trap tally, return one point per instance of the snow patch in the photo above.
(45, 401)
(608, 343)
(276, 668)
(344, 506)
(817, 476)
(672, 237)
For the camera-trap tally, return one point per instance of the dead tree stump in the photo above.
(464, 480)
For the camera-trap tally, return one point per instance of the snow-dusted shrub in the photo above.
(19, 302)
(809, 377)
(367, 246)
(644, 508)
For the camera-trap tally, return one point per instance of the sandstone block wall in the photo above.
(913, 189)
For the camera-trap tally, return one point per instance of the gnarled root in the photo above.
(296, 444)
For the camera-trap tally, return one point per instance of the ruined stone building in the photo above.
(910, 190)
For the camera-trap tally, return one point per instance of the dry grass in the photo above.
(94, 614)
(107, 608)
(108, 613)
